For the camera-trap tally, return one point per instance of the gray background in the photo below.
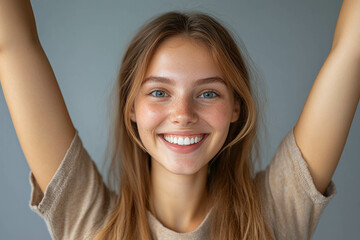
(84, 41)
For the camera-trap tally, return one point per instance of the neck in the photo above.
(180, 202)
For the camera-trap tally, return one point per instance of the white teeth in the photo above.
(182, 141)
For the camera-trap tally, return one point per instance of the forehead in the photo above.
(182, 57)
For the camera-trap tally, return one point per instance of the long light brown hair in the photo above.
(236, 212)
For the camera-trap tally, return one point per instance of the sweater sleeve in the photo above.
(290, 200)
(76, 201)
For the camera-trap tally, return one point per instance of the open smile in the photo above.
(183, 140)
(183, 144)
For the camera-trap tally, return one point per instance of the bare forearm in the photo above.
(346, 48)
(17, 24)
(325, 121)
(347, 31)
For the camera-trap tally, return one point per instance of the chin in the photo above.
(184, 169)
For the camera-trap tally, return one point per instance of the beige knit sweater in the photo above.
(76, 202)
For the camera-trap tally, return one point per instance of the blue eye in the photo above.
(209, 94)
(159, 93)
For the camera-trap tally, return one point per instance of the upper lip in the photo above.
(182, 133)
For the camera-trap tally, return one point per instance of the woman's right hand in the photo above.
(37, 108)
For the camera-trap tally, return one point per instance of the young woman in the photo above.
(184, 128)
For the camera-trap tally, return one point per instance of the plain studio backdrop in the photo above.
(85, 40)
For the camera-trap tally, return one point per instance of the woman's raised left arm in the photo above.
(323, 126)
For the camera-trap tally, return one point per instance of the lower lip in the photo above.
(183, 148)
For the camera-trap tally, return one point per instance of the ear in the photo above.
(236, 111)
(132, 114)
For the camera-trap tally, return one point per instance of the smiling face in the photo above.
(184, 108)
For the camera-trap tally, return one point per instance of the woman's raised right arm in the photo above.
(37, 108)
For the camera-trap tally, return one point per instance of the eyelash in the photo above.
(157, 90)
(207, 91)
(216, 95)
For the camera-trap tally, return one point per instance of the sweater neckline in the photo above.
(159, 231)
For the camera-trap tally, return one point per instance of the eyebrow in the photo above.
(172, 82)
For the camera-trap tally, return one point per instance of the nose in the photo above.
(183, 112)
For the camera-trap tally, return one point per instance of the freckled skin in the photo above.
(184, 61)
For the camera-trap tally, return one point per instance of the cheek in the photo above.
(148, 115)
(218, 115)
